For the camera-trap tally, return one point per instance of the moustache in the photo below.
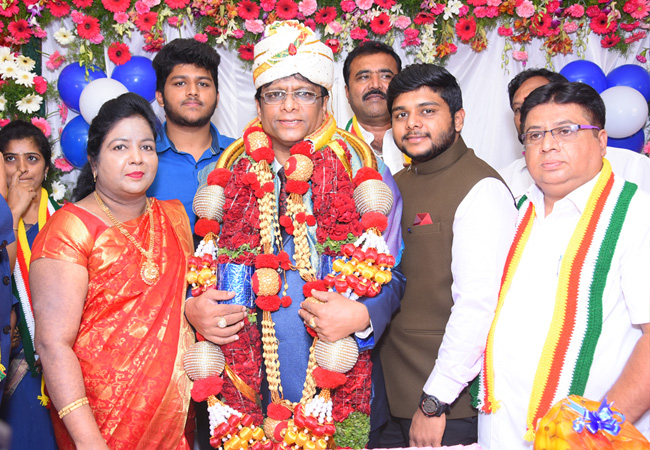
(415, 134)
(374, 92)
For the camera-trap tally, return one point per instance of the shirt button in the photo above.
(6, 329)
(6, 280)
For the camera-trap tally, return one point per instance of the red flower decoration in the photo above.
(381, 24)
(374, 220)
(601, 24)
(305, 148)
(325, 15)
(333, 44)
(466, 28)
(88, 28)
(20, 30)
(366, 173)
(204, 226)
(246, 52)
(283, 259)
(609, 41)
(424, 18)
(630, 26)
(177, 4)
(206, 387)
(326, 379)
(115, 6)
(119, 53)
(286, 9)
(636, 37)
(40, 84)
(219, 177)
(301, 217)
(285, 221)
(248, 10)
(263, 153)
(268, 303)
(298, 187)
(593, 11)
(278, 412)
(318, 285)
(81, 4)
(267, 261)
(385, 3)
(10, 10)
(286, 301)
(146, 21)
(311, 220)
(58, 8)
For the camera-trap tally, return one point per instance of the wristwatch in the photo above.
(431, 406)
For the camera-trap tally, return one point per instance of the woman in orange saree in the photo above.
(113, 362)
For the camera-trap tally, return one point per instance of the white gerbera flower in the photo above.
(9, 69)
(25, 63)
(29, 104)
(25, 78)
(5, 54)
(63, 36)
(3, 102)
(58, 191)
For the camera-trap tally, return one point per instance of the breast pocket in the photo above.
(434, 227)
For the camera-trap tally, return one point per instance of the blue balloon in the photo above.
(586, 72)
(72, 80)
(633, 76)
(138, 76)
(74, 139)
(634, 142)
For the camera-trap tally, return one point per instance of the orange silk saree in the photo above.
(132, 336)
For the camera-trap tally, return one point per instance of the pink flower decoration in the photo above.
(642, 59)
(63, 112)
(335, 27)
(201, 37)
(494, 2)
(267, 5)
(307, 7)
(503, 31)
(637, 8)
(55, 60)
(63, 165)
(121, 17)
(4, 122)
(141, 7)
(437, 9)
(358, 33)
(174, 21)
(40, 84)
(480, 12)
(520, 56)
(311, 23)
(463, 10)
(254, 26)
(570, 27)
(365, 4)
(39, 32)
(402, 22)
(492, 11)
(411, 37)
(42, 125)
(238, 34)
(646, 148)
(96, 39)
(348, 6)
(77, 17)
(575, 11)
(526, 9)
(151, 3)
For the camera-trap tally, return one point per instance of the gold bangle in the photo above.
(72, 406)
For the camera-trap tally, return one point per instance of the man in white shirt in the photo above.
(457, 224)
(626, 163)
(572, 315)
(367, 71)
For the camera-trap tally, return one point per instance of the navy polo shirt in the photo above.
(179, 174)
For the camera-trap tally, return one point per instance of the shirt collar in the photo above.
(577, 198)
(164, 143)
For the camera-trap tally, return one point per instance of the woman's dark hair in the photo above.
(17, 130)
(437, 78)
(113, 111)
(563, 93)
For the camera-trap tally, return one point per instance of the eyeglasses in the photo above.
(565, 133)
(301, 97)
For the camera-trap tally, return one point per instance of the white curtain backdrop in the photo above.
(488, 129)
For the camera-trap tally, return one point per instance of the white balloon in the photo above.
(96, 93)
(627, 111)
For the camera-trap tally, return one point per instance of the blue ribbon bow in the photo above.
(603, 419)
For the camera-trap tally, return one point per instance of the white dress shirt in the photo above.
(391, 155)
(484, 226)
(630, 165)
(527, 311)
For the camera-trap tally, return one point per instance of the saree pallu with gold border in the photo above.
(132, 336)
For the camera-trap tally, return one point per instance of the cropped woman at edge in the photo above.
(27, 156)
(108, 287)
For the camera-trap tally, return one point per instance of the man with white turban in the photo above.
(272, 217)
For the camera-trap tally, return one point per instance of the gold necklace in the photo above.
(149, 271)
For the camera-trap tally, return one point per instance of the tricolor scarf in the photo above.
(20, 280)
(576, 325)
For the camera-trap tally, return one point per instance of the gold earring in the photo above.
(94, 177)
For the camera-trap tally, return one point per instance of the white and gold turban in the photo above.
(288, 48)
